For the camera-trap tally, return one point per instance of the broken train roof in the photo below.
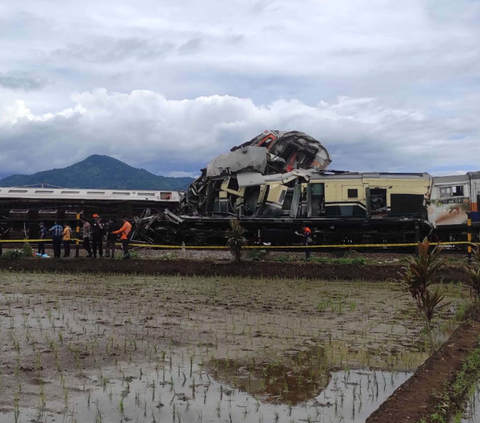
(272, 152)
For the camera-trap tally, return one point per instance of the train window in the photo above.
(458, 191)
(445, 191)
(378, 200)
(352, 193)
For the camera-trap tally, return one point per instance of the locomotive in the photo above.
(278, 182)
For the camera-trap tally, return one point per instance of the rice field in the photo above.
(83, 348)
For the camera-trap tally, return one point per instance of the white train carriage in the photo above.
(453, 197)
(21, 209)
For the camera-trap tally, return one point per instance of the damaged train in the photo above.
(279, 182)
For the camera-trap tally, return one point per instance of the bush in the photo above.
(133, 254)
(27, 250)
(257, 255)
(473, 275)
(236, 240)
(12, 255)
(283, 258)
(420, 273)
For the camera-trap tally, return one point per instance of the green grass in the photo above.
(451, 399)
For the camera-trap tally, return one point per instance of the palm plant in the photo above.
(419, 274)
(473, 275)
(236, 240)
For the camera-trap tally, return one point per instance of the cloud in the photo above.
(21, 81)
(383, 87)
(182, 174)
(191, 46)
(112, 50)
(145, 129)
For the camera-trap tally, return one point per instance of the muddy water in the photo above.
(189, 394)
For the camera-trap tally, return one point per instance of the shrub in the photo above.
(236, 239)
(12, 255)
(421, 272)
(473, 275)
(27, 250)
(257, 255)
(283, 258)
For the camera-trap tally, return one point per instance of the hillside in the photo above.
(97, 172)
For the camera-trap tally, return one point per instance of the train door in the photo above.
(376, 200)
(316, 199)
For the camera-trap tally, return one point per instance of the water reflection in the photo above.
(191, 395)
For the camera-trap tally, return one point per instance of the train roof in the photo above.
(89, 194)
(451, 179)
(371, 175)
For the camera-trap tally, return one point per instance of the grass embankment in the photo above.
(451, 399)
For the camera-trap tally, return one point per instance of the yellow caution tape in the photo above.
(16, 241)
(256, 247)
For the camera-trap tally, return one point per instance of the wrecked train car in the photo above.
(277, 183)
(270, 153)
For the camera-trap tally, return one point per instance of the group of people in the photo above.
(93, 237)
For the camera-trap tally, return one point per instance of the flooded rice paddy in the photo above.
(150, 349)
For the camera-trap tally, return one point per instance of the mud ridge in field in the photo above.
(416, 399)
(296, 270)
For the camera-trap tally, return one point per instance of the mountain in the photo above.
(99, 172)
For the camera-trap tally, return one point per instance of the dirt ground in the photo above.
(339, 256)
(244, 269)
(65, 337)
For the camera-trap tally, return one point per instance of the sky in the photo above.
(167, 85)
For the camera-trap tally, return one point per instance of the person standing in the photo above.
(97, 236)
(125, 233)
(307, 240)
(67, 236)
(1, 236)
(57, 233)
(111, 238)
(42, 234)
(86, 229)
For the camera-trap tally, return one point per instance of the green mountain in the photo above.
(99, 172)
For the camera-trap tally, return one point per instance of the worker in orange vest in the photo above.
(124, 237)
(307, 240)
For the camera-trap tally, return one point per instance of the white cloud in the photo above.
(148, 130)
(383, 86)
